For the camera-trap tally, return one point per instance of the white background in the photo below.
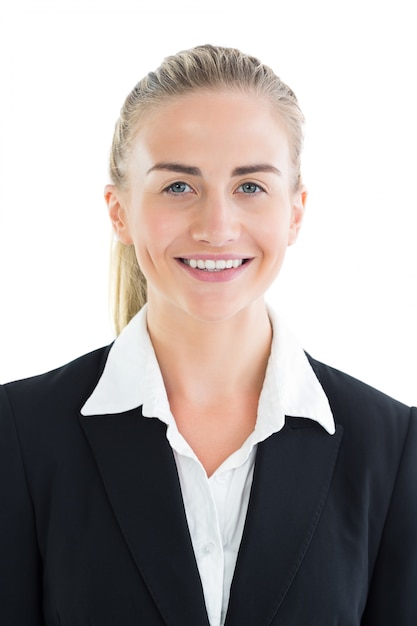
(348, 288)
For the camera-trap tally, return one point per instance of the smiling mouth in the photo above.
(210, 265)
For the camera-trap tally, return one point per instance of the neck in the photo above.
(200, 360)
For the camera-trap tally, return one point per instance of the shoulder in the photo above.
(379, 444)
(360, 407)
(68, 385)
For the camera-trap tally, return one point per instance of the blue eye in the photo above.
(249, 188)
(178, 188)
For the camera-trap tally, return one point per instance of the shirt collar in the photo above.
(132, 378)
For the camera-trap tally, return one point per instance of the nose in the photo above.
(216, 221)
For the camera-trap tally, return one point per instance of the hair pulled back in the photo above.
(202, 68)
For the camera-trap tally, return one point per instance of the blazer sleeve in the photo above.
(20, 563)
(392, 597)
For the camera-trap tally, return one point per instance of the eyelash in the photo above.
(250, 184)
(170, 191)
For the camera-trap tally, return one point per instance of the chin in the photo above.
(217, 310)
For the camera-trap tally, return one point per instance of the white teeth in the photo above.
(213, 266)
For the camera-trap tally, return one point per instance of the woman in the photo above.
(203, 469)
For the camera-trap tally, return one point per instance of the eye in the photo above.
(249, 188)
(178, 187)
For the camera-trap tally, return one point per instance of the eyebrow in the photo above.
(242, 170)
(257, 167)
(176, 167)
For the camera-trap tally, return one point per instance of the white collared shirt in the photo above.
(215, 507)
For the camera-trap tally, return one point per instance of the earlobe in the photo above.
(298, 210)
(117, 213)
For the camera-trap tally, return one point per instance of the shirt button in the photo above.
(221, 478)
(208, 548)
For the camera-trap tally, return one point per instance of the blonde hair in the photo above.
(200, 68)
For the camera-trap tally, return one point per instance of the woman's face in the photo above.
(210, 207)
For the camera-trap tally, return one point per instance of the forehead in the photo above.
(210, 126)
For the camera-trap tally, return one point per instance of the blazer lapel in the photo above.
(292, 476)
(140, 476)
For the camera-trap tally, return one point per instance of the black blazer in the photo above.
(93, 530)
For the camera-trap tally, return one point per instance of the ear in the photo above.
(298, 210)
(117, 213)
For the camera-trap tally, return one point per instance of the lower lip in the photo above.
(220, 276)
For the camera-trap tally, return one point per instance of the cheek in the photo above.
(155, 230)
(273, 236)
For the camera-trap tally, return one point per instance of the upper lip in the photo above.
(214, 257)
